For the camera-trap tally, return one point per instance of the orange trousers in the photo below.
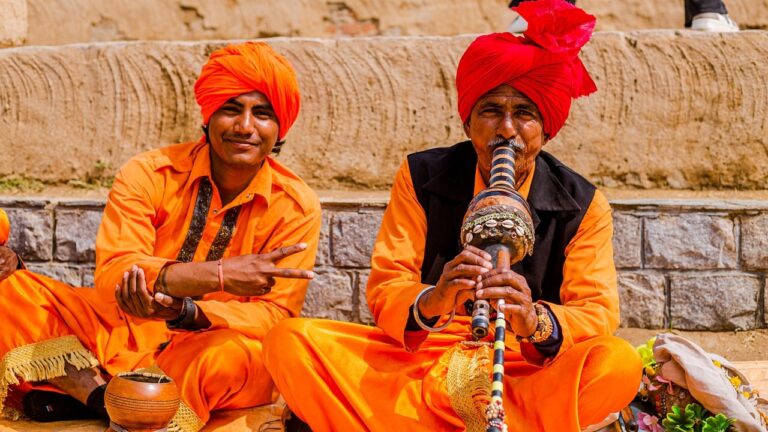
(348, 377)
(47, 323)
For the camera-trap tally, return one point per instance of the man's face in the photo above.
(243, 131)
(501, 114)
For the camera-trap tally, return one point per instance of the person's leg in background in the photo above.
(708, 15)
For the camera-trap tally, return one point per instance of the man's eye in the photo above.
(264, 115)
(230, 109)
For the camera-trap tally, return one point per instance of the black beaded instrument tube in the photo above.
(498, 221)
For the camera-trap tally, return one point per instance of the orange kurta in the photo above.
(351, 377)
(145, 222)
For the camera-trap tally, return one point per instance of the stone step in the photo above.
(46, 23)
(675, 110)
(686, 264)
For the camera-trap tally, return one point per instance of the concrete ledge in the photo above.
(76, 113)
(685, 264)
(73, 21)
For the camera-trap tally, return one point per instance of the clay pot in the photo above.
(141, 402)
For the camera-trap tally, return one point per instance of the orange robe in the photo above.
(146, 220)
(349, 377)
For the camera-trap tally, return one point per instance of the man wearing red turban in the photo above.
(202, 248)
(419, 369)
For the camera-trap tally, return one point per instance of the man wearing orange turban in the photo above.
(202, 248)
(416, 371)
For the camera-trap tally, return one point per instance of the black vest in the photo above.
(444, 179)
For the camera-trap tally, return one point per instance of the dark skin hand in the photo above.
(244, 275)
(134, 298)
(8, 262)
(518, 304)
(255, 274)
(457, 283)
(471, 276)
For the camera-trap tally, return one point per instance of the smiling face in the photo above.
(242, 132)
(502, 114)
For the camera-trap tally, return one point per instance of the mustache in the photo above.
(512, 143)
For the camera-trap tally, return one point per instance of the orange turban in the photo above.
(543, 64)
(5, 227)
(247, 67)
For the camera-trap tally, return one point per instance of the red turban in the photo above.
(247, 67)
(543, 64)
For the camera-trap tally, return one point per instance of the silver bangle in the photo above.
(418, 318)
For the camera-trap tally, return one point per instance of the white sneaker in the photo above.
(518, 25)
(713, 22)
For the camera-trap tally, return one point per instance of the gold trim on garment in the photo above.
(41, 361)
(468, 382)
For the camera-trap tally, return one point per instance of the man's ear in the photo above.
(546, 140)
(207, 137)
(466, 129)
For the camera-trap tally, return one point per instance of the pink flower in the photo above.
(648, 423)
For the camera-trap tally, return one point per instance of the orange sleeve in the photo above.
(589, 294)
(256, 315)
(395, 278)
(127, 233)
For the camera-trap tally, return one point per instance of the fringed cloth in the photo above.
(40, 361)
(44, 360)
(468, 381)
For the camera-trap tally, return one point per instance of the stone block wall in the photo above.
(684, 264)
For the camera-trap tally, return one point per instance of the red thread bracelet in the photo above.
(221, 276)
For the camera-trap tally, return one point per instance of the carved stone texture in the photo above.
(142, 94)
(76, 235)
(324, 245)
(627, 240)
(352, 237)
(643, 299)
(690, 241)
(754, 242)
(714, 301)
(362, 282)
(330, 295)
(69, 274)
(13, 23)
(31, 233)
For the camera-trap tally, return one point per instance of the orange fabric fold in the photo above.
(147, 216)
(243, 68)
(350, 377)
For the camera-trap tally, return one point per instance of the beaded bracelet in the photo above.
(417, 315)
(544, 326)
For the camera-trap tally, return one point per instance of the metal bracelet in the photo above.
(417, 315)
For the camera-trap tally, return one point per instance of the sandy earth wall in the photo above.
(72, 21)
(674, 110)
(13, 22)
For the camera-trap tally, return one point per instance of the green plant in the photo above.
(718, 423)
(694, 418)
(679, 420)
(646, 353)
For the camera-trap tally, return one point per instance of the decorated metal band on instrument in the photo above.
(498, 221)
